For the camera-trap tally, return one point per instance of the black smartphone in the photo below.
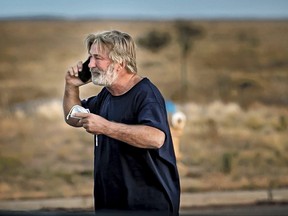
(85, 74)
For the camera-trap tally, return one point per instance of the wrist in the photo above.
(71, 89)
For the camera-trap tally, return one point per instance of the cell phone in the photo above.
(85, 74)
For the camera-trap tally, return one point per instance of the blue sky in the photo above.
(147, 9)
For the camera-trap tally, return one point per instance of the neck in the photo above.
(124, 84)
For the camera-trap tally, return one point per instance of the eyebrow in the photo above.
(95, 55)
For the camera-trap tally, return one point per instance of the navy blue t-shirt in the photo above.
(127, 177)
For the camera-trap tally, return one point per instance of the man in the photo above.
(134, 160)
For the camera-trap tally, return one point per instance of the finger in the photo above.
(75, 70)
(80, 65)
(71, 71)
(81, 115)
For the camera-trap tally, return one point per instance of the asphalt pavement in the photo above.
(247, 210)
(227, 203)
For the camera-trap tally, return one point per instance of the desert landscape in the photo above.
(229, 77)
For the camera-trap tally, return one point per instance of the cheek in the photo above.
(102, 66)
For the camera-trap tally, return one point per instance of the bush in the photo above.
(227, 163)
(154, 40)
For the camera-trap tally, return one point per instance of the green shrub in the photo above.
(227, 163)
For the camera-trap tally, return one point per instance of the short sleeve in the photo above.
(154, 115)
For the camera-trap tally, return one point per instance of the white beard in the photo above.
(104, 78)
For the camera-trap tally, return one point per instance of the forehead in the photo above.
(97, 49)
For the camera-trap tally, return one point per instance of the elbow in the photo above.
(159, 142)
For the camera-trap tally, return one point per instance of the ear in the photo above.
(120, 66)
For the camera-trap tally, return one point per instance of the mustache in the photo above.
(95, 70)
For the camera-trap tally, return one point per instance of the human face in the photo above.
(101, 67)
(102, 77)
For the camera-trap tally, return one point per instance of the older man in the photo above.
(134, 160)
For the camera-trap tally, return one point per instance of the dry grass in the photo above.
(236, 133)
(240, 148)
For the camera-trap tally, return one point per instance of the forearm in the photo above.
(141, 136)
(71, 98)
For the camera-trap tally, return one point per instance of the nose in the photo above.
(92, 63)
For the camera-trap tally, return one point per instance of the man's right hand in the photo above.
(72, 75)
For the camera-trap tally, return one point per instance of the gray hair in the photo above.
(121, 47)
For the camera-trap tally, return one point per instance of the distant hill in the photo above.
(241, 61)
